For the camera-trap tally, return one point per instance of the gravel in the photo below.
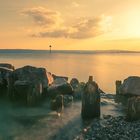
(111, 128)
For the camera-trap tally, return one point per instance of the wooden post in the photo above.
(118, 86)
(90, 100)
(50, 48)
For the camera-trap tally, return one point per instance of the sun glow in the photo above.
(133, 23)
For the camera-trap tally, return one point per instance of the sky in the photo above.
(70, 24)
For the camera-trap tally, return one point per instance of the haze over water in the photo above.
(105, 67)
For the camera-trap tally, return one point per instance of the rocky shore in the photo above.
(36, 85)
(111, 128)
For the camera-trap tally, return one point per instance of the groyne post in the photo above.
(90, 100)
(118, 86)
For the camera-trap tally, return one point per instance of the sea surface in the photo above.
(105, 67)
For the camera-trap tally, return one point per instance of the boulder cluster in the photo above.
(31, 84)
(130, 90)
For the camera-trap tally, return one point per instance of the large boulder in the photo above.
(133, 108)
(60, 86)
(90, 100)
(33, 74)
(29, 82)
(131, 86)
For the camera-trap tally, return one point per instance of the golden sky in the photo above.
(70, 24)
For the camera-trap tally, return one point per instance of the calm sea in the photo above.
(105, 67)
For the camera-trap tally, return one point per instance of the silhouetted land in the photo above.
(65, 51)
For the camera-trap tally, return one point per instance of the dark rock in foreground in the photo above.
(28, 82)
(58, 87)
(5, 70)
(60, 102)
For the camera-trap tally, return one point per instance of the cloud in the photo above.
(52, 26)
(43, 17)
(75, 4)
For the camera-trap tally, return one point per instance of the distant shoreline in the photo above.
(65, 51)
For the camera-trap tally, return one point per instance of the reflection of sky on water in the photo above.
(106, 68)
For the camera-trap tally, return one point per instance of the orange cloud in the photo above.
(43, 17)
(52, 25)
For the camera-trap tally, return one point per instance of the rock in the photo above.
(131, 86)
(8, 66)
(4, 77)
(60, 86)
(21, 89)
(68, 100)
(32, 79)
(78, 91)
(133, 108)
(90, 100)
(56, 77)
(33, 74)
(107, 116)
(58, 103)
(74, 83)
(101, 91)
(27, 91)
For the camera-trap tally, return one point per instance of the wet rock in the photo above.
(131, 86)
(107, 116)
(58, 103)
(74, 83)
(59, 86)
(28, 76)
(21, 89)
(133, 109)
(8, 66)
(31, 93)
(90, 100)
(68, 100)
(78, 91)
(56, 77)
(4, 78)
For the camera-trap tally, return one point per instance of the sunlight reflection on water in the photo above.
(106, 68)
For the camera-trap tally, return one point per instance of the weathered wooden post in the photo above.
(90, 100)
(118, 86)
(133, 109)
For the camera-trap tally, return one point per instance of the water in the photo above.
(105, 67)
